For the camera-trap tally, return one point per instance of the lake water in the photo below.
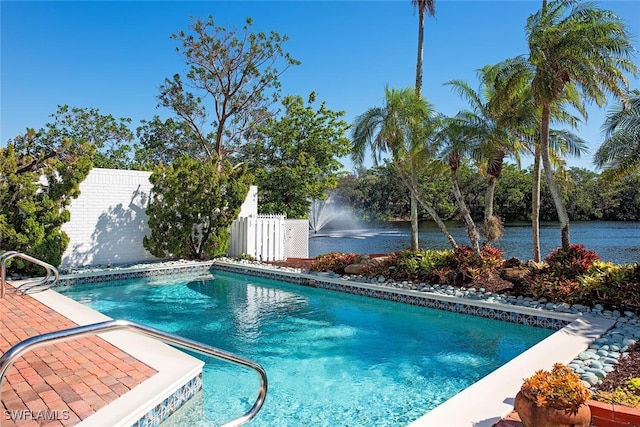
(617, 242)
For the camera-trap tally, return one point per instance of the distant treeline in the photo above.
(378, 194)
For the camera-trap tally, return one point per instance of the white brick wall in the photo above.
(108, 219)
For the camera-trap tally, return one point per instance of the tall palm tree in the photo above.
(512, 84)
(620, 152)
(403, 128)
(579, 52)
(429, 7)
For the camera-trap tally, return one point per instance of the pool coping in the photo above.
(178, 377)
(486, 401)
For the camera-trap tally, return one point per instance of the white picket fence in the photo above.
(261, 236)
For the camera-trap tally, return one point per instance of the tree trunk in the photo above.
(427, 206)
(488, 198)
(474, 237)
(420, 52)
(551, 180)
(415, 245)
(414, 224)
(535, 205)
(494, 172)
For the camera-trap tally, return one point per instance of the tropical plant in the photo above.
(560, 388)
(578, 52)
(560, 278)
(454, 145)
(512, 83)
(334, 261)
(403, 127)
(626, 395)
(429, 7)
(613, 285)
(494, 130)
(620, 152)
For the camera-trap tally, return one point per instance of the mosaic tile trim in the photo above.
(390, 295)
(136, 274)
(171, 404)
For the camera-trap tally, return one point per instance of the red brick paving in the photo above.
(61, 384)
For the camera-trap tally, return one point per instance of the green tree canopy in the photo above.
(620, 152)
(295, 159)
(192, 205)
(40, 173)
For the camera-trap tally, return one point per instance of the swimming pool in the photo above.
(332, 358)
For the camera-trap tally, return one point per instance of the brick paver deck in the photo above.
(61, 384)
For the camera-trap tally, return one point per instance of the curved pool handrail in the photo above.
(41, 285)
(7, 359)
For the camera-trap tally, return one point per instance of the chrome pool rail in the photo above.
(7, 359)
(31, 286)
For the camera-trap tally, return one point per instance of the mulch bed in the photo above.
(627, 367)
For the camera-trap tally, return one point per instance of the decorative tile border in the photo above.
(171, 404)
(390, 295)
(150, 271)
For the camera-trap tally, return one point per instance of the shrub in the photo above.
(573, 263)
(471, 267)
(420, 265)
(560, 388)
(245, 257)
(611, 284)
(334, 261)
(627, 395)
(559, 280)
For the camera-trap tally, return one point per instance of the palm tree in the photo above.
(579, 52)
(495, 130)
(620, 152)
(430, 7)
(454, 146)
(422, 6)
(402, 128)
(512, 87)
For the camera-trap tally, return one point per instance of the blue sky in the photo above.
(114, 55)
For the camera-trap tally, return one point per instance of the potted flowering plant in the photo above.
(555, 398)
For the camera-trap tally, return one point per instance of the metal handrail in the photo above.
(6, 256)
(7, 359)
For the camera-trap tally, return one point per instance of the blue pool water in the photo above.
(332, 359)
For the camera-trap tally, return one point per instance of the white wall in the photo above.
(108, 219)
(296, 238)
(250, 205)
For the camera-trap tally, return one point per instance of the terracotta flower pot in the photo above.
(535, 416)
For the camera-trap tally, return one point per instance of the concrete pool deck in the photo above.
(481, 405)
